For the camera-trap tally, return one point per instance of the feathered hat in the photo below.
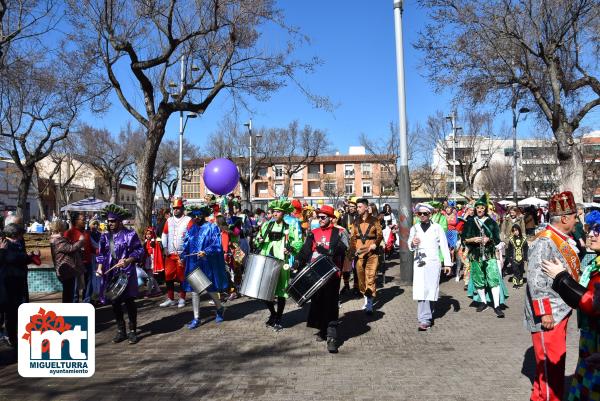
(198, 210)
(283, 205)
(115, 212)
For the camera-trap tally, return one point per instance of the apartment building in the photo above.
(327, 179)
(536, 162)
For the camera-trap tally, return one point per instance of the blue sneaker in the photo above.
(194, 324)
(220, 315)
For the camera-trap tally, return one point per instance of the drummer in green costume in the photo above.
(280, 240)
(481, 234)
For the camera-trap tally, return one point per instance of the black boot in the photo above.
(132, 337)
(332, 344)
(120, 336)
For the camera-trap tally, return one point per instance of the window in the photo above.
(329, 169)
(366, 169)
(278, 172)
(298, 174)
(261, 172)
(314, 188)
(349, 188)
(485, 153)
(278, 189)
(329, 188)
(298, 190)
(314, 169)
(348, 170)
(263, 189)
(366, 188)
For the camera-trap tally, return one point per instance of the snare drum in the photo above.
(311, 279)
(260, 277)
(116, 286)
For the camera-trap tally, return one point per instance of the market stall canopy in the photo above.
(506, 203)
(85, 205)
(533, 201)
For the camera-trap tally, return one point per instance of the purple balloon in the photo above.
(221, 176)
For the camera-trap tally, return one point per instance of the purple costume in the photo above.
(126, 245)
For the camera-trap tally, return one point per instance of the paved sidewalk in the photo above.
(466, 356)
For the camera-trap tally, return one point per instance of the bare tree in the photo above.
(474, 147)
(497, 180)
(591, 167)
(218, 42)
(428, 178)
(232, 141)
(332, 188)
(111, 156)
(545, 51)
(389, 151)
(166, 171)
(296, 148)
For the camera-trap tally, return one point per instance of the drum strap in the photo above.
(111, 247)
(364, 237)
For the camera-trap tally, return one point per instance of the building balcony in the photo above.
(314, 176)
(366, 174)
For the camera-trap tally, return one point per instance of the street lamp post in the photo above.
(516, 116)
(249, 126)
(452, 118)
(404, 194)
(182, 122)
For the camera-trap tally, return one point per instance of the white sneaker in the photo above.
(168, 302)
(181, 303)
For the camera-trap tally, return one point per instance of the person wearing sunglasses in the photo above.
(546, 313)
(428, 240)
(584, 297)
(330, 240)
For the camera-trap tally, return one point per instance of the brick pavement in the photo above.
(466, 356)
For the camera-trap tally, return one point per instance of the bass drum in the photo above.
(116, 286)
(311, 279)
(260, 277)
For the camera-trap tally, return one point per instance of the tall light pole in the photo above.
(452, 118)
(249, 126)
(182, 122)
(404, 195)
(516, 116)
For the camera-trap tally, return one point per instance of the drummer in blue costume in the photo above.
(280, 240)
(202, 249)
(119, 249)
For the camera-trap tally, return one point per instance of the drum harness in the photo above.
(364, 237)
(277, 236)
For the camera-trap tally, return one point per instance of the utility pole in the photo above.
(404, 193)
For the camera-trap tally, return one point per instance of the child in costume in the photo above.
(153, 260)
(516, 255)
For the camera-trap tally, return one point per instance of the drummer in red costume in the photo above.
(172, 240)
(327, 240)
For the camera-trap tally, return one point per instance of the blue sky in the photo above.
(355, 39)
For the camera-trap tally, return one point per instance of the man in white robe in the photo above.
(427, 239)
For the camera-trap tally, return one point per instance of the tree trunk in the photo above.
(570, 163)
(571, 179)
(145, 182)
(26, 177)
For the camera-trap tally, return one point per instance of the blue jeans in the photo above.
(88, 288)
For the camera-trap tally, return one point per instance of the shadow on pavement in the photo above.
(528, 368)
(385, 295)
(356, 323)
(443, 305)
